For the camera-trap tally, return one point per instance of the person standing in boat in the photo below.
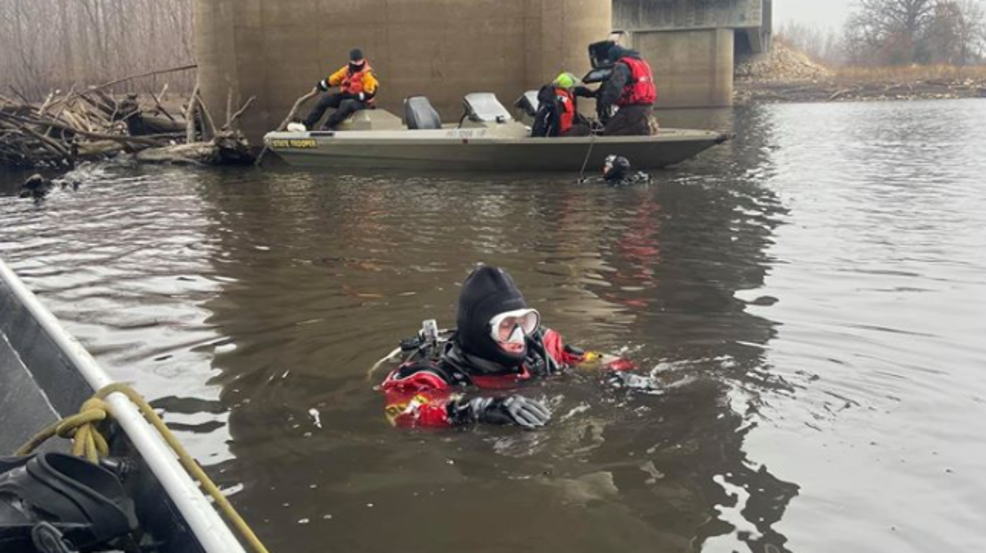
(558, 112)
(357, 90)
(631, 90)
(469, 375)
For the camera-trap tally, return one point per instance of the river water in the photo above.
(812, 296)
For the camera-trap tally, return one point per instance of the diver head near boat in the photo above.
(357, 90)
(500, 344)
(617, 171)
(616, 168)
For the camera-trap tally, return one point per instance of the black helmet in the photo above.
(616, 168)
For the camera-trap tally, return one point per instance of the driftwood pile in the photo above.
(93, 124)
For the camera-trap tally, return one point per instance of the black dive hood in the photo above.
(603, 56)
(487, 292)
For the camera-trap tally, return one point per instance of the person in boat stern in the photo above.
(632, 91)
(357, 90)
(558, 111)
(470, 375)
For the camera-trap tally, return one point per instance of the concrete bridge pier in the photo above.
(277, 50)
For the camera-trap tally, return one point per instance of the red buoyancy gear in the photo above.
(567, 116)
(640, 89)
(421, 396)
(353, 82)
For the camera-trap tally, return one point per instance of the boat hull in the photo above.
(481, 150)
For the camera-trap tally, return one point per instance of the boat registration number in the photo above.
(465, 133)
(296, 143)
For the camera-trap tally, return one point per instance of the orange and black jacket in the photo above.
(353, 83)
(425, 392)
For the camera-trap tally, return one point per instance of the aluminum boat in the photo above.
(486, 138)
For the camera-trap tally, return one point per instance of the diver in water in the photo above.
(36, 187)
(618, 172)
(464, 376)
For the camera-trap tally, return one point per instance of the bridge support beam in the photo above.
(692, 45)
(693, 68)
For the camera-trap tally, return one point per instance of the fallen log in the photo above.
(227, 148)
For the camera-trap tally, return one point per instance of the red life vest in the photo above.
(640, 89)
(567, 104)
(353, 83)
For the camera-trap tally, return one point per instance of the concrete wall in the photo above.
(692, 68)
(677, 15)
(277, 50)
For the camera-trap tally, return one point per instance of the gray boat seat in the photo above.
(419, 114)
(528, 103)
(368, 120)
(484, 107)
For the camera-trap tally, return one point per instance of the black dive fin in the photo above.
(84, 502)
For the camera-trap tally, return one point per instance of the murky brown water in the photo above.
(813, 295)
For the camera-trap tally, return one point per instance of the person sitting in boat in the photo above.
(357, 90)
(465, 376)
(558, 112)
(631, 90)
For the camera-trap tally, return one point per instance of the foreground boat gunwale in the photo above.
(210, 531)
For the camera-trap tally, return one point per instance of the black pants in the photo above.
(344, 107)
(630, 121)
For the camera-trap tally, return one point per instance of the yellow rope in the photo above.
(88, 442)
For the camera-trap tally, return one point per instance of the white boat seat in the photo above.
(419, 114)
(528, 103)
(484, 107)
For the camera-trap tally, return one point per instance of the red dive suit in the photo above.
(431, 389)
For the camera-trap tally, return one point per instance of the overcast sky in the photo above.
(828, 13)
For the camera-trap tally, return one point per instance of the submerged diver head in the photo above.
(494, 319)
(356, 60)
(616, 168)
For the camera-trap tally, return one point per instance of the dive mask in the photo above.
(513, 326)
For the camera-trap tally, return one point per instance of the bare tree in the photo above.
(821, 43)
(55, 44)
(897, 32)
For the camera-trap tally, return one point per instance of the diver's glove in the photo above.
(518, 410)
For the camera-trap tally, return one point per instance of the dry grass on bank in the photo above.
(911, 73)
(789, 75)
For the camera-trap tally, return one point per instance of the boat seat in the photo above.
(484, 107)
(419, 114)
(368, 120)
(528, 103)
